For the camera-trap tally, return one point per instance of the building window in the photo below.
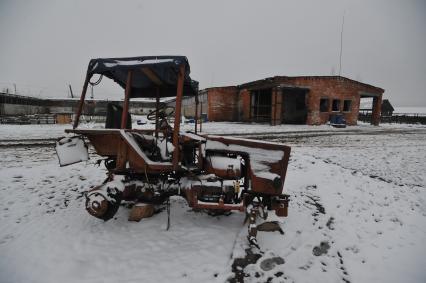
(336, 105)
(347, 106)
(324, 102)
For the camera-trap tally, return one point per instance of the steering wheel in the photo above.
(163, 112)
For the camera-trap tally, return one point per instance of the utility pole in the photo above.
(341, 45)
(72, 95)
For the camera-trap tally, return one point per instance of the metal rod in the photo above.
(91, 92)
(272, 119)
(126, 100)
(179, 94)
(201, 116)
(196, 111)
(81, 103)
(341, 45)
(157, 105)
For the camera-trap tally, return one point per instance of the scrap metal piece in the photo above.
(104, 201)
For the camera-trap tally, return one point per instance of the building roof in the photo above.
(387, 106)
(276, 79)
(219, 87)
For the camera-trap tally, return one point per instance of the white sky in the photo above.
(46, 44)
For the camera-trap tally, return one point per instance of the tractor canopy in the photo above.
(151, 75)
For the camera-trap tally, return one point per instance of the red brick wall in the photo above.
(332, 88)
(244, 106)
(223, 104)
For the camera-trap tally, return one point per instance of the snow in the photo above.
(372, 188)
(259, 158)
(12, 132)
(267, 175)
(411, 110)
(137, 62)
(360, 189)
(193, 136)
(41, 132)
(71, 150)
(55, 131)
(166, 148)
(225, 163)
(156, 61)
(131, 141)
(377, 227)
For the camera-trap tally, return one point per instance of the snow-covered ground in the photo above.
(53, 131)
(360, 191)
(372, 191)
(416, 110)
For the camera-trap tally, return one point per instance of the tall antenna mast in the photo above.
(341, 45)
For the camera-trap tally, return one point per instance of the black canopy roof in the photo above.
(150, 73)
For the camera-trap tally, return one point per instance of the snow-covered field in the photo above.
(39, 133)
(357, 194)
(416, 110)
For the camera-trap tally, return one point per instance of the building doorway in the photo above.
(261, 105)
(294, 106)
(370, 108)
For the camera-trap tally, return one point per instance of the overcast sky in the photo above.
(47, 44)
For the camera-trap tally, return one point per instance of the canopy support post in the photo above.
(126, 100)
(179, 94)
(81, 103)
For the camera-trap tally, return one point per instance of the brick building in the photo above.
(291, 100)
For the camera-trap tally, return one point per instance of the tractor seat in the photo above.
(156, 149)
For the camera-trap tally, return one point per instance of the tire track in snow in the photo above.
(372, 176)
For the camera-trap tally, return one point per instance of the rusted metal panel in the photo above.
(105, 145)
(139, 165)
(121, 155)
(259, 184)
(192, 198)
